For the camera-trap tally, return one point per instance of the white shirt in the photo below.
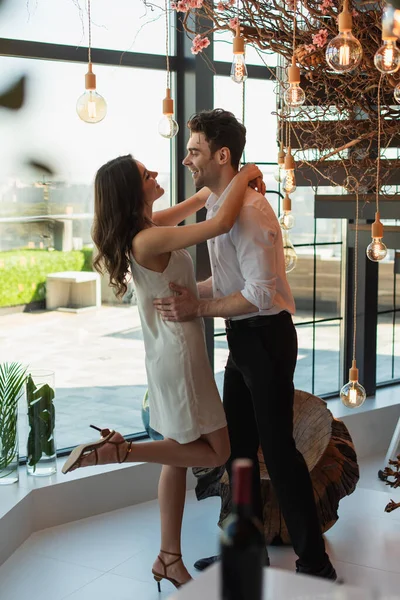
(250, 257)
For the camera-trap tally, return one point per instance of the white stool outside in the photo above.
(73, 291)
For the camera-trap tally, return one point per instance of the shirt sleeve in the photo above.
(254, 237)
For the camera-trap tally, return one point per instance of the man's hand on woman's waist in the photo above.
(185, 306)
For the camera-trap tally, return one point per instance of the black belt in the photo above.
(259, 321)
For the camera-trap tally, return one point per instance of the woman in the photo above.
(185, 405)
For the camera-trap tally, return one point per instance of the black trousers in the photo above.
(258, 401)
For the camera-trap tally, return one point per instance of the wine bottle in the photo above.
(243, 549)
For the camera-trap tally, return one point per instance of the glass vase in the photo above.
(9, 459)
(41, 454)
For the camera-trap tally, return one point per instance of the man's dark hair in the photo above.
(221, 129)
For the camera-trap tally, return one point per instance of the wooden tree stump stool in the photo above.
(331, 459)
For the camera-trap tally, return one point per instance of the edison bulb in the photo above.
(391, 20)
(294, 96)
(343, 53)
(168, 127)
(387, 58)
(376, 250)
(289, 184)
(397, 93)
(289, 253)
(279, 173)
(353, 394)
(91, 107)
(286, 220)
(238, 69)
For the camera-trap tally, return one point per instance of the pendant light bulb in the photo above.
(391, 19)
(344, 52)
(91, 107)
(376, 250)
(168, 127)
(397, 93)
(289, 252)
(289, 183)
(279, 172)
(286, 219)
(294, 96)
(238, 69)
(352, 393)
(387, 58)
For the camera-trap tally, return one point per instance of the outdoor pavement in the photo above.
(98, 360)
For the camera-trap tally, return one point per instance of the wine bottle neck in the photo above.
(243, 510)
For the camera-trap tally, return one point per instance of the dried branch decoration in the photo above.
(340, 119)
(392, 478)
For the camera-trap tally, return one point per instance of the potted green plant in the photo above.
(41, 448)
(12, 378)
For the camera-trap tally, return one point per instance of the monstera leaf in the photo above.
(41, 417)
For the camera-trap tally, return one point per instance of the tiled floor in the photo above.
(110, 556)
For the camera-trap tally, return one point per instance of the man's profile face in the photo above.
(201, 162)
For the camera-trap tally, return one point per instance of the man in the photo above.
(248, 287)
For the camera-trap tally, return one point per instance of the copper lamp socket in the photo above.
(345, 18)
(168, 103)
(238, 42)
(353, 372)
(294, 72)
(281, 155)
(290, 165)
(90, 79)
(287, 203)
(377, 227)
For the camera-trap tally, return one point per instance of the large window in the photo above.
(316, 280)
(97, 355)
(316, 285)
(128, 26)
(388, 338)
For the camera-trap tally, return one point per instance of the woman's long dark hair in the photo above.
(118, 217)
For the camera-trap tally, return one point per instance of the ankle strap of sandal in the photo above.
(128, 451)
(171, 553)
(166, 565)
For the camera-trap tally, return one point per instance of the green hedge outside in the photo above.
(23, 272)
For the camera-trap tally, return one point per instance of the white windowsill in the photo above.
(11, 494)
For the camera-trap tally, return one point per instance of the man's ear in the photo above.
(224, 156)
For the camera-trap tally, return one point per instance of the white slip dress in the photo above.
(183, 399)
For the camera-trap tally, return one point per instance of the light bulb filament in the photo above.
(92, 109)
(239, 71)
(388, 55)
(344, 54)
(295, 92)
(290, 183)
(353, 395)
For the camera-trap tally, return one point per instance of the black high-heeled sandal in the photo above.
(76, 456)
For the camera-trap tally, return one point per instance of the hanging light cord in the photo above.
(378, 160)
(243, 116)
(167, 42)
(355, 280)
(294, 48)
(294, 25)
(90, 34)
